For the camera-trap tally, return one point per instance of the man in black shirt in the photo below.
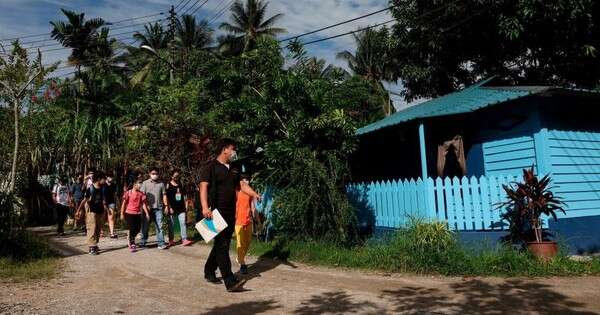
(95, 203)
(219, 183)
(110, 193)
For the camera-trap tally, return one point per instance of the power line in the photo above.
(222, 11)
(348, 33)
(180, 2)
(112, 29)
(183, 7)
(198, 8)
(337, 24)
(60, 47)
(115, 22)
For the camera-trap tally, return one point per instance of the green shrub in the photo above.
(27, 257)
(425, 248)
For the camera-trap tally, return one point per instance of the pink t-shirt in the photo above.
(134, 200)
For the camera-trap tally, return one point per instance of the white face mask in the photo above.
(233, 156)
(154, 177)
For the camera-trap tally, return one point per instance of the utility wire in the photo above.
(348, 33)
(337, 24)
(46, 34)
(198, 8)
(222, 11)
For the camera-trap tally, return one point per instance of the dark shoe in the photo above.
(244, 269)
(213, 279)
(114, 236)
(93, 251)
(235, 285)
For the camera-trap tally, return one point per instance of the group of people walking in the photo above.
(222, 186)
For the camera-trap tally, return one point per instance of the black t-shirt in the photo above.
(110, 192)
(175, 196)
(223, 183)
(96, 199)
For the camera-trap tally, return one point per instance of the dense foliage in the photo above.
(440, 46)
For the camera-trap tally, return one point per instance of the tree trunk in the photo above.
(13, 172)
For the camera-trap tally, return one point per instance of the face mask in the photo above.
(154, 177)
(109, 180)
(233, 156)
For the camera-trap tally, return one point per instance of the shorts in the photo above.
(111, 207)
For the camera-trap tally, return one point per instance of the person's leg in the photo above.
(111, 219)
(158, 217)
(246, 237)
(61, 217)
(222, 243)
(90, 225)
(99, 224)
(170, 228)
(182, 226)
(210, 267)
(238, 243)
(145, 226)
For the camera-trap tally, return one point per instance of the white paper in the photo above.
(209, 228)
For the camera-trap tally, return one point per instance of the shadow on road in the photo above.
(244, 308)
(269, 261)
(336, 302)
(468, 297)
(478, 297)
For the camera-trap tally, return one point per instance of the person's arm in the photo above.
(248, 190)
(124, 204)
(165, 200)
(145, 207)
(54, 194)
(204, 200)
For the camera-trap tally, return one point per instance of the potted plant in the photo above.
(526, 202)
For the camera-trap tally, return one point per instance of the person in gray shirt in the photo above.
(156, 198)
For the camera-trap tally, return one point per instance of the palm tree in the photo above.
(248, 24)
(371, 60)
(154, 36)
(192, 35)
(78, 34)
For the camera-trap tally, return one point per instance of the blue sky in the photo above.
(24, 17)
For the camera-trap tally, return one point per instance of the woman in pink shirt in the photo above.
(131, 211)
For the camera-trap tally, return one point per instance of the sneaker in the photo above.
(114, 236)
(212, 279)
(186, 243)
(163, 247)
(172, 243)
(244, 269)
(236, 285)
(93, 251)
(132, 248)
(142, 245)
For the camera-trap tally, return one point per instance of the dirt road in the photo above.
(170, 282)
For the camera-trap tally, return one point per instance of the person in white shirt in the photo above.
(61, 196)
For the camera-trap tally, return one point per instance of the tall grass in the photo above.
(425, 248)
(27, 257)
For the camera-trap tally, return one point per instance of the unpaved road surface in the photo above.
(170, 282)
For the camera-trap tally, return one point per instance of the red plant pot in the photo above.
(543, 250)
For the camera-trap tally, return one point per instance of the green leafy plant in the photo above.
(526, 203)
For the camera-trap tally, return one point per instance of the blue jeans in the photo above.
(156, 215)
(182, 226)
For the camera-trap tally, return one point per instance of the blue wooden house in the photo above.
(448, 157)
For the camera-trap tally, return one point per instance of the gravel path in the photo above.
(170, 282)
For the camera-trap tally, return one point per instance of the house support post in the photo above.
(423, 152)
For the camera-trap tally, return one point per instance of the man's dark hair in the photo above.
(154, 169)
(224, 143)
(245, 176)
(98, 176)
(175, 170)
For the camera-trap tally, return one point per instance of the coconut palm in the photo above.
(371, 61)
(248, 23)
(78, 34)
(192, 35)
(153, 36)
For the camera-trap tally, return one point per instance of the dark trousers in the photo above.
(61, 217)
(219, 255)
(134, 222)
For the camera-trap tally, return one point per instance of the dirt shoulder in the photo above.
(170, 282)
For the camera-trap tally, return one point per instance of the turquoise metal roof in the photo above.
(467, 100)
